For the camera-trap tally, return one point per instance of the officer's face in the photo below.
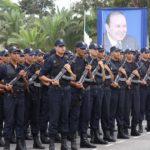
(60, 49)
(101, 54)
(80, 52)
(145, 55)
(117, 27)
(116, 55)
(129, 56)
(94, 52)
(14, 56)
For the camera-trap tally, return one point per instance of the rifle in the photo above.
(63, 70)
(32, 78)
(119, 74)
(85, 72)
(147, 74)
(14, 80)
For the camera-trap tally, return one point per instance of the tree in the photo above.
(39, 7)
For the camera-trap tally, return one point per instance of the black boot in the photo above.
(2, 142)
(37, 143)
(126, 131)
(44, 139)
(73, 142)
(57, 138)
(28, 136)
(64, 142)
(7, 144)
(121, 134)
(52, 143)
(107, 136)
(85, 143)
(23, 142)
(96, 139)
(13, 139)
(134, 132)
(140, 127)
(148, 126)
(19, 145)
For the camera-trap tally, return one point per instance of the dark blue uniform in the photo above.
(132, 103)
(14, 104)
(1, 104)
(59, 97)
(117, 102)
(144, 93)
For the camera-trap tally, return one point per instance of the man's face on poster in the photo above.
(117, 27)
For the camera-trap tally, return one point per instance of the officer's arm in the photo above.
(43, 78)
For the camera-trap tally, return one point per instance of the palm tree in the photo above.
(28, 38)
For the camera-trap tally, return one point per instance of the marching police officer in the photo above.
(14, 101)
(132, 103)
(144, 88)
(117, 93)
(59, 94)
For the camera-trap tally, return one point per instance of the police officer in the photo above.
(95, 98)
(28, 61)
(106, 96)
(35, 99)
(132, 103)
(14, 101)
(59, 95)
(1, 100)
(117, 93)
(144, 89)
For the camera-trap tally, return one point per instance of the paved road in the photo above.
(134, 143)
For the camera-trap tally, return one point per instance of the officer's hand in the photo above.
(143, 82)
(45, 83)
(107, 68)
(22, 73)
(101, 64)
(8, 87)
(67, 67)
(114, 84)
(88, 67)
(37, 72)
(55, 82)
(122, 70)
(128, 82)
(79, 85)
(2, 90)
(136, 73)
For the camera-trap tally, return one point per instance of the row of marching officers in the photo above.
(64, 94)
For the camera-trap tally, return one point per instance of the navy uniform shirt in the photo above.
(52, 66)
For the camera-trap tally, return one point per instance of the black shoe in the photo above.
(57, 138)
(121, 134)
(85, 143)
(13, 140)
(107, 137)
(73, 139)
(140, 129)
(2, 142)
(37, 143)
(64, 142)
(134, 132)
(28, 136)
(52, 143)
(148, 126)
(96, 139)
(19, 145)
(44, 139)
(7, 144)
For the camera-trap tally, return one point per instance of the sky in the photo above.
(59, 3)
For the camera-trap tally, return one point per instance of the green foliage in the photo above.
(39, 7)
(37, 24)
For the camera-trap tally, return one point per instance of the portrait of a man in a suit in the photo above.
(116, 33)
